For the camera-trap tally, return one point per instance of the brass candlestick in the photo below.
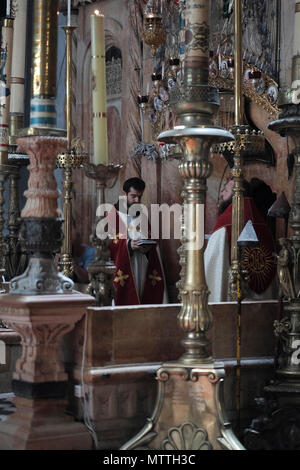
(247, 142)
(73, 158)
(188, 413)
(101, 270)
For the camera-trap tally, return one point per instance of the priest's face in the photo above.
(134, 196)
(227, 191)
(226, 196)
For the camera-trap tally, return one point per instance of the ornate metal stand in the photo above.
(247, 142)
(73, 158)
(189, 411)
(16, 259)
(40, 233)
(101, 269)
(279, 425)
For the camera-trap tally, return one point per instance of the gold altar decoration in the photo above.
(44, 48)
(154, 33)
(260, 92)
(188, 389)
(247, 142)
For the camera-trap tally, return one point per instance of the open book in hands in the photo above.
(146, 242)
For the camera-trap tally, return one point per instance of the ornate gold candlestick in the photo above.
(73, 158)
(101, 269)
(247, 142)
(188, 414)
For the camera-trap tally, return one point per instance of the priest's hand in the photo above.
(142, 248)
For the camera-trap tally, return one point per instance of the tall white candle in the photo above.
(99, 89)
(8, 8)
(6, 45)
(69, 13)
(18, 60)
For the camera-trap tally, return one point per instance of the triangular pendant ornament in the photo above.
(248, 236)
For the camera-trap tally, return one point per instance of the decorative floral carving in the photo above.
(187, 437)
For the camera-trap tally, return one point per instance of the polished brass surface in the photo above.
(194, 104)
(44, 48)
(258, 96)
(238, 64)
(16, 122)
(68, 161)
(8, 22)
(188, 399)
(188, 396)
(247, 142)
(69, 90)
(41, 131)
(154, 34)
(237, 170)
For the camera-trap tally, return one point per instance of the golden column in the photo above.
(188, 412)
(237, 170)
(247, 142)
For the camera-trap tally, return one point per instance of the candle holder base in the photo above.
(101, 272)
(42, 237)
(179, 423)
(102, 269)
